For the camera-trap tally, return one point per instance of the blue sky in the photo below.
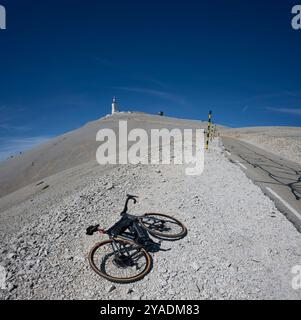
(62, 61)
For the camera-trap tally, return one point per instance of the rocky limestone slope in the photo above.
(238, 244)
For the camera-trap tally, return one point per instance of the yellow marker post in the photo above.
(212, 131)
(208, 130)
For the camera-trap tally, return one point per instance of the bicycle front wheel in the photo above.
(162, 225)
(120, 260)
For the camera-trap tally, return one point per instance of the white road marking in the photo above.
(244, 167)
(284, 202)
(228, 153)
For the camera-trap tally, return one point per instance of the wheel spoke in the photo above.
(127, 260)
(162, 225)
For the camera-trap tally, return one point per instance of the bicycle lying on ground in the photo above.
(125, 257)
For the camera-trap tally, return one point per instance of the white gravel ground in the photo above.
(239, 246)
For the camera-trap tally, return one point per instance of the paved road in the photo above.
(279, 178)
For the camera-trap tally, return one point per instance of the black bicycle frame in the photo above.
(129, 222)
(117, 250)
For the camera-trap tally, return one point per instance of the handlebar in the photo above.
(92, 229)
(129, 197)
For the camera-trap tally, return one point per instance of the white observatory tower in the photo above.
(114, 105)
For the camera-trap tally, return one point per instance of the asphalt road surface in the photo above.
(279, 178)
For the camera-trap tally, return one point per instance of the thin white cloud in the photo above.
(292, 111)
(7, 121)
(157, 93)
(269, 96)
(7, 126)
(104, 61)
(245, 108)
(150, 80)
(13, 146)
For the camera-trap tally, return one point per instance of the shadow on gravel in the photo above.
(153, 246)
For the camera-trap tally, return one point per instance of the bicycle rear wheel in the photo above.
(162, 225)
(120, 260)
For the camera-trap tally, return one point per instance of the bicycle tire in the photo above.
(141, 275)
(162, 234)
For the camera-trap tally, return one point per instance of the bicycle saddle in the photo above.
(90, 230)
